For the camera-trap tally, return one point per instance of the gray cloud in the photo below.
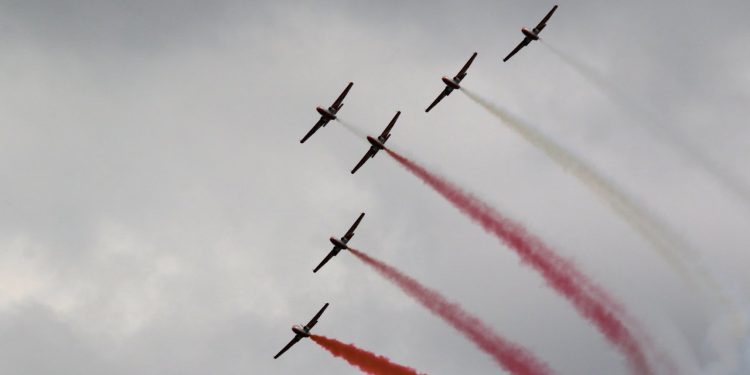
(158, 215)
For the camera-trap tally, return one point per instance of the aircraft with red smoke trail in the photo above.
(377, 144)
(452, 83)
(532, 34)
(329, 114)
(340, 243)
(302, 331)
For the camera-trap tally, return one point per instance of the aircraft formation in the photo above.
(377, 144)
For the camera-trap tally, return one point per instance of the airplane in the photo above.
(340, 244)
(377, 144)
(531, 35)
(329, 114)
(302, 331)
(452, 83)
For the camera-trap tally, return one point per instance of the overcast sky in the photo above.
(159, 216)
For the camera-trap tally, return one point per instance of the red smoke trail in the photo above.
(511, 357)
(369, 363)
(587, 298)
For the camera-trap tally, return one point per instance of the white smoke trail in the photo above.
(598, 80)
(739, 356)
(667, 244)
(353, 130)
(663, 133)
(727, 346)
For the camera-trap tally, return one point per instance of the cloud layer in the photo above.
(158, 215)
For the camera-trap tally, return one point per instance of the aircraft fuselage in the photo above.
(530, 33)
(301, 330)
(377, 143)
(338, 243)
(326, 113)
(451, 83)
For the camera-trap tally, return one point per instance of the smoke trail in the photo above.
(667, 244)
(352, 129)
(368, 362)
(726, 346)
(603, 84)
(671, 247)
(586, 297)
(665, 134)
(510, 356)
(730, 181)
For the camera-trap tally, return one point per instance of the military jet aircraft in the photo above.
(533, 34)
(301, 332)
(329, 114)
(340, 243)
(377, 144)
(452, 83)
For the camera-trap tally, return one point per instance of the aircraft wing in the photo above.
(370, 153)
(328, 257)
(339, 101)
(350, 233)
(546, 18)
(289, 345)
(315, 128)
(314, 320)
(462, 73)
(440, 97)
(523, 43)
(388, 128)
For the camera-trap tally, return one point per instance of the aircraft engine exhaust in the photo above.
(729, 180)
(367, 362)
(667, 244)
(692, 263)
(352, 129)
(671, 247)
(589, 300)
(508, 355)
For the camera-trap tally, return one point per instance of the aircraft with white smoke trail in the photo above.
(377, 144)
(302, 331)
(452, 83)
(532, 34)
(340, 243)
(329, 114)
